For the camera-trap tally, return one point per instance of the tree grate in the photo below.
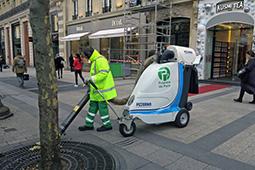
(76, 156)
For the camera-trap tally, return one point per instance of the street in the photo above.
(220, 134)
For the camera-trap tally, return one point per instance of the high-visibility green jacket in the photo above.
(102, 77)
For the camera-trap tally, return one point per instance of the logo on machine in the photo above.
(143, 104)
(164, 76)
(164, 73)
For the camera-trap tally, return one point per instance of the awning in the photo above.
(73, 37)
(117, 32)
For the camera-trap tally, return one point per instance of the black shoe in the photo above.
(252, 102)
(238, 100)
(83, 128)
(103, 128)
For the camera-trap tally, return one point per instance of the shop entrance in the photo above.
(229, 44)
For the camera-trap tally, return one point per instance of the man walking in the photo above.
(19, 67)
(101, 75)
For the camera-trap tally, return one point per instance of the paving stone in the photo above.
(151, 166)
(143, 149)
(186, 163)
(163, 157)
(211, 168)
(241, 147)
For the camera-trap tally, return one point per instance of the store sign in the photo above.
(117, 22)
(79, 28)
(229, 6)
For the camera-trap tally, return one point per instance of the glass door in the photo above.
(230, 43)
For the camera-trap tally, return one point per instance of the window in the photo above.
(135, 3)
(89, 8)
(106, 6)
(75, 9)
(54, 23)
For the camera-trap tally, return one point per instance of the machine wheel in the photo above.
(189, 106)
(125, 132)
(182, 118)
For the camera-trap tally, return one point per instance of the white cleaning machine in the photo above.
(161, 93)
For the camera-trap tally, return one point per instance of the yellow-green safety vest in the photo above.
(102, 77)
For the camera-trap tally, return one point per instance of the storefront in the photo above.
(104, 34)
(225, 33)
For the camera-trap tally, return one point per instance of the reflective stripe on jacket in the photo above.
(102, 77)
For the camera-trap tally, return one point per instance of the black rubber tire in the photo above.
(124, 132)
(179, 118)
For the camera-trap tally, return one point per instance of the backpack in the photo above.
(20, 63)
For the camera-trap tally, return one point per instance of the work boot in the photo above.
(238, 100)
(83, 128)
(103, 128)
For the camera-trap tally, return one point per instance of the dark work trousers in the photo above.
(76, 76)
(1, 67)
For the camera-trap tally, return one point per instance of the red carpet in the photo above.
(211, 87)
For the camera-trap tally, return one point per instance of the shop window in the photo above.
(75, 9)
(16, 39)
(89, 8)
(106, 6)
(135, 3)
(180, 29)
(2, 43)
(54, 23)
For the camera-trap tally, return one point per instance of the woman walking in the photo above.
(77, 66)
(248, 78)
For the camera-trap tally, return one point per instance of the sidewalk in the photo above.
(219, 135)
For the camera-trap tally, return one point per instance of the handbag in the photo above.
(25, 76)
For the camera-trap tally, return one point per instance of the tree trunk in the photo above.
(46, 77)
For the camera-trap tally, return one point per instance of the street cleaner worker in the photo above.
(102, 77)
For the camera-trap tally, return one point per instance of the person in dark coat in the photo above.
(59, 64)
(1, 63)
(71, 60)
(248, 84)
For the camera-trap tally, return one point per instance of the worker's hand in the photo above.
(87, 79)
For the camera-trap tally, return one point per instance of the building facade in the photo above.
(15, 30)
(225, 33)
(102, 24)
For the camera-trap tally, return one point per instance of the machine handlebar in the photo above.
(93, 84)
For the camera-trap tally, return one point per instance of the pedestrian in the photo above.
(102, 77)
(19, 67)
(77, 66)
(1, 63)
(71, 62)
(247, 75)
(59, 64)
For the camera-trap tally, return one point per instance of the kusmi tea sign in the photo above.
(229, 5)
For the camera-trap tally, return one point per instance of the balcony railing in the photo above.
(74, 17)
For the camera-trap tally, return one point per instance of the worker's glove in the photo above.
(87, 79)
